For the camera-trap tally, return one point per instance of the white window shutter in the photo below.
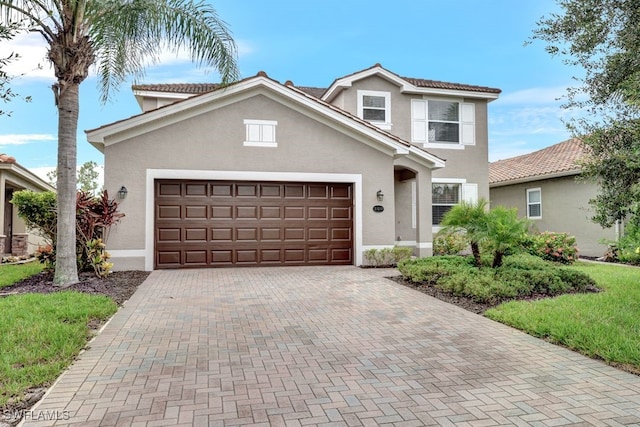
(468, 123)
(419, 123)
(470, 192)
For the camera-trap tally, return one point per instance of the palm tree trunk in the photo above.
(475, 250)
(68, 106)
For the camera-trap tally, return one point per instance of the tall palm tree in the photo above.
(120, 37)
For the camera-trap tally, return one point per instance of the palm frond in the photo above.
(127, 36)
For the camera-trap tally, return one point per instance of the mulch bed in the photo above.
(119, 285)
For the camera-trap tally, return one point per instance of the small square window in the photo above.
(260, 133)
(375, 107)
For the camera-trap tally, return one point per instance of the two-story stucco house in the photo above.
(262, 173)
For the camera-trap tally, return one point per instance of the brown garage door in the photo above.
(225, 223)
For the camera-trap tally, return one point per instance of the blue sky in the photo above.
(477, 42)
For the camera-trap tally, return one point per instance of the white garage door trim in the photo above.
(153, 174)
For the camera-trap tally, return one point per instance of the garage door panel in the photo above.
(274, 234)
(247, 256)
(294, 212)
(195, 257)
(169, 212)
(196, 189)
(221, 190)
(222, 224)
(271, 190)
(195, 212)
(169, 234)
(246, 212)
(250, 234)
(222, 234)
(247, 190)
(195, 235)
(222, 212)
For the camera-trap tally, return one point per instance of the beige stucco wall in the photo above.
(213, 141)
(565, 208)
(468, 162)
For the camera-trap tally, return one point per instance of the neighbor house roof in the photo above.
(21, 176)
(554, 161)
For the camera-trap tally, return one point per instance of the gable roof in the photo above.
(22, 176)
(153, 119)
(412, 85)
(557, 160)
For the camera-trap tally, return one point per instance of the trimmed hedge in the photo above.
(520, 276)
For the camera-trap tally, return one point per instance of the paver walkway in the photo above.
(323, 346)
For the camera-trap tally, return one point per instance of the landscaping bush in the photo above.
(520, 275)
(557, 247)
(94, 217)
(387, 257)
(432, 268)
(450, 242)
(627, 249)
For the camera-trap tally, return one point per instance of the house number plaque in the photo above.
(378, 208)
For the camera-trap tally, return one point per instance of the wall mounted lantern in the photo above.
(122, 192)
(380, 195)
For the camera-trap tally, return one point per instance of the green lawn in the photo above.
(10, 274)
(41, 334)
(605, 325)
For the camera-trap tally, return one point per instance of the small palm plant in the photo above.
(504, 232)
(472, 218)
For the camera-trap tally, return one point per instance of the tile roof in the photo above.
(435, 84)
(198, 88)
(191, 88)
(556, 159)
(5, 158)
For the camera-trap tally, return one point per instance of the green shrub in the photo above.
(557, 247)
(432, 268)
(94, 217)
(520, 275)
(386, 257)
(450, 242)
(628, 247)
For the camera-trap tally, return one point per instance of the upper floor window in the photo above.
(375, 107)
(534, 203)
(260, 133)
(442, 123)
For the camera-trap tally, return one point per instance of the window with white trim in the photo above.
(534, 203)
(375, 107)
(442, 123)
(448, 192)
(260, 133)
(444, 196)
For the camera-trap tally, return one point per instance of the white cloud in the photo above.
(43, 171)
(25, 138)
(33, 62)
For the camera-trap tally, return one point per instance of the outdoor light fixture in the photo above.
(122, 192)
(379, 195)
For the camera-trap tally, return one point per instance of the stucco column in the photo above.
(424, 234)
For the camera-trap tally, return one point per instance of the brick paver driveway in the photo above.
(323, 345)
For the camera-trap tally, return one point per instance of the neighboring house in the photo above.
(264, 173)
(543, 186)
(15, 239)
